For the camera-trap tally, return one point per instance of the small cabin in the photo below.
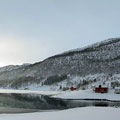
(72, 88)
(115, 84)
(117, 90)
(101, 89)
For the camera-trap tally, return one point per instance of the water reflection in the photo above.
(17, 103)
(31, 101)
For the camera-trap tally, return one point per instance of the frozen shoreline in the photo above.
(86, 113)
(88, 94)
(80, 94)
(49, 93)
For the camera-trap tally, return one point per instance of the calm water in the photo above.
(21, 103)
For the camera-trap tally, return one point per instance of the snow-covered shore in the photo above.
(88, 94)
(80, 94)
(86, 113)
(30, 91)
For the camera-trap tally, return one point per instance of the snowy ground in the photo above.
(30, 91)
(88, 94)
(80, 94)
(86, 113)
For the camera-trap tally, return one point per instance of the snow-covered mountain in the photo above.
(12, 67)
(100, 59)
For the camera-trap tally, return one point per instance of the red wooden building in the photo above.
(101, 89)
(72, 88)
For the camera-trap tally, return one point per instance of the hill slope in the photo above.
(97, 59)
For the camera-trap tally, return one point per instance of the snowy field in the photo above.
(86, 113)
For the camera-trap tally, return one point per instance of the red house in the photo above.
(101, 89)
(72, 88)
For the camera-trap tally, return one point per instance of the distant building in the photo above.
(65, 88)
(72, 88)
(101, 89)
(117, 90)
(115, 84)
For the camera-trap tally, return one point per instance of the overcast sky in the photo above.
(32, 30)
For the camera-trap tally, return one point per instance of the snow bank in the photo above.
(30, 91)
(86, 113)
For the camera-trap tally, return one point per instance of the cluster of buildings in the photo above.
(104, 89)
(101, 89)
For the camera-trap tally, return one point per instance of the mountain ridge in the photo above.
(99, 58)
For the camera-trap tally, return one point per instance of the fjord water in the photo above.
(22, 103)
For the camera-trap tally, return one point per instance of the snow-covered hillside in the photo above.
(12, 67)
(93, 63)
(9, 68)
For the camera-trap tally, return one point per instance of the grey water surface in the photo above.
(22, 103)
